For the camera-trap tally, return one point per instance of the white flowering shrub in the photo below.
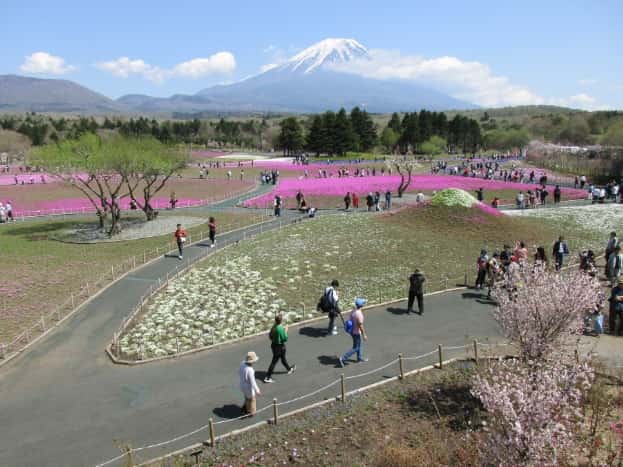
(206, 305)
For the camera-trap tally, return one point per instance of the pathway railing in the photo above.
(474, 350)
(51, 318)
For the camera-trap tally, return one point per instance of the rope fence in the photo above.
(341, 397)
(52, 318)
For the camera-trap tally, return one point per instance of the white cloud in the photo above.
(579, 101)
(471, 81)
(219, 63)
(587, 82)
(269, 49)
(45, 63)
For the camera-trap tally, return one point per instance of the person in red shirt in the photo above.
(180, 238)
(355, 201)
(212, 228)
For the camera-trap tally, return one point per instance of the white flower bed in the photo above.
(599, 219)
(204, 306)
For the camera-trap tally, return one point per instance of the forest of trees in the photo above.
(335, 133)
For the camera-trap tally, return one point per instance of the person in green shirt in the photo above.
(278, 337)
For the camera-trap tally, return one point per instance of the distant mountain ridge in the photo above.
(25, 94)
(303, 84)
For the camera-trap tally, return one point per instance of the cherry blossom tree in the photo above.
(542, 310)
(535, 401)
(534, 411)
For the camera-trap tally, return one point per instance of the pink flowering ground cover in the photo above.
(338, 187)
(61, 196)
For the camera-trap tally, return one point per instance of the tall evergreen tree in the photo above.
(345, 137)
(291, 136)
(395, 123)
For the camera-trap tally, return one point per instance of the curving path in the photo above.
(65, 403)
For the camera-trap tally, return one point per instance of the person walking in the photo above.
(277, 205)
(180, 238)
(369, 201)
(329, 304)
(388, 200)
(377, 201)
(559, 251)
(278, 337)
(613, 242)
(481, 269)
(248, 384)
(299, 197)
(358, 332)
(616, 307)
(416, 290)
(9, 211)
(615, 264)
(480, 194)
(557, 194)
(212, 231)
(347, 200)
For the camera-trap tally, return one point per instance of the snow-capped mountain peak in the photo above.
(325, 52)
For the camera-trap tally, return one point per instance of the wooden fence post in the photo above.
(275, 412)
(212, 442)
(401, 366)
(42, 323)
(72, 301)
(343, 388)
(440, 357)
(476, 351)
(144, 256)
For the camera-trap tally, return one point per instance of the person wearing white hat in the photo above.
(248, 384)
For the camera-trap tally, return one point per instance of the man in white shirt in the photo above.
(248, 384)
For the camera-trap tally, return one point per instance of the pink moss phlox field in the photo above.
(334, 186)
(79, 204)
(36, 178)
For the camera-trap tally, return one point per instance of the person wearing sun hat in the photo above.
(357, 331)
(248, 384)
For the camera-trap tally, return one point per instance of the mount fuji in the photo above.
(306, 82)
(310, 81)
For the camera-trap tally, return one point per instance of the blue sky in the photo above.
(559, 52)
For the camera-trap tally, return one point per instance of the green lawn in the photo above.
(38, 273)
(374, 255)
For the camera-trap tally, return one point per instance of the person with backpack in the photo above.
(278, 336)
(416, 290)
(329, 303)
(180, 238)
(354, 326)
(212, 231)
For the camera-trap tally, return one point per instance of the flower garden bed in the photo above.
(371, 256)
(338, 187)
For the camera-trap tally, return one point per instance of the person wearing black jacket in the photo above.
(559, 251)
(416, 290)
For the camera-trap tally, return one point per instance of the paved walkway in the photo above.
(65, 403)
